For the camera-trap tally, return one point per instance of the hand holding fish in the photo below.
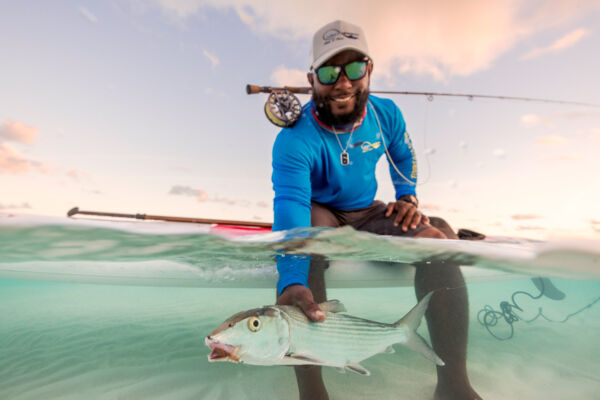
(284, 335)
(302, 297)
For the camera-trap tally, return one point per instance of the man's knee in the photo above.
(432, 233)
(443, 226)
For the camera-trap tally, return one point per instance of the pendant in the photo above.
(345, 158)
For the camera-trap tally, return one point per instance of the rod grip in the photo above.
(254, 89)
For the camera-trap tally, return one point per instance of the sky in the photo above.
(140, 107)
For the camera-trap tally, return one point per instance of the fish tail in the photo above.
(414, 341)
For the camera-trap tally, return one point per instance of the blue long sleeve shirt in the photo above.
(307, 167)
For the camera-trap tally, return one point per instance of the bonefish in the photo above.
(283, 335)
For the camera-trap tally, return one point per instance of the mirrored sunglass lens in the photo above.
(355, 70)
(328, 74)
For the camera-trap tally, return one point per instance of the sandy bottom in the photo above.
(79, 341)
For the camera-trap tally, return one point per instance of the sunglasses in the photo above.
(329, 74)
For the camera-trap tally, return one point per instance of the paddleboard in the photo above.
(244, 255)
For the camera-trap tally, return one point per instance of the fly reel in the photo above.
(283, 108)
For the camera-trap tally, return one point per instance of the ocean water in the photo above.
(108, 310)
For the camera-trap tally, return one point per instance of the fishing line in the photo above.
(489, 317)
(425, 120)
(386, 148)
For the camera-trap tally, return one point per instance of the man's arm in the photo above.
(291, 207)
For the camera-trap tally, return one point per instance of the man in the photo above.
(324, 175)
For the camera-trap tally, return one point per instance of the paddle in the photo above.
(76, 211)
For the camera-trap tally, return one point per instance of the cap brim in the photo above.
(324, 57)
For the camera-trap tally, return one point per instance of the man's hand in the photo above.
(407, 214)
(301, 296)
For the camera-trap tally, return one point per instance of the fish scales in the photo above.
(340, 338)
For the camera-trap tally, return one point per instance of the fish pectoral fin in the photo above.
(389, 350)
(333, 306)
(359, 369)
(304, 359)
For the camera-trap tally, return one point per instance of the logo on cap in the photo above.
(334, 34)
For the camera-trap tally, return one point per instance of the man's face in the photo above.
(343, 101)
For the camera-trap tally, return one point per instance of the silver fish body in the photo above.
(283, 335)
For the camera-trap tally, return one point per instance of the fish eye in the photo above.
(254, 324)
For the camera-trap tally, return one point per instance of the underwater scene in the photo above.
(110, 310)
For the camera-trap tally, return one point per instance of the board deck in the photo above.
(501, 259)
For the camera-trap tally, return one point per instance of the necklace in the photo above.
(344, 156)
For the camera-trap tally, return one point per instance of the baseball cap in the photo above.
(334, 38)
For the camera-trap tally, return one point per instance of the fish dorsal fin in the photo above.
(359, 369)
(334, 306)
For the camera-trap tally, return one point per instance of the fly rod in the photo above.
(283, 108)
(76, 211)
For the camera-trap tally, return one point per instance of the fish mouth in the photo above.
(222, 351)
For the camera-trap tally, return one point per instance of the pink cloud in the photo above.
(521, 217)
(11, 161)
(550, 140)
(531, 228)
(429, 207)
(17, 131)
(283, 76)
(438, 38)
(560, 44)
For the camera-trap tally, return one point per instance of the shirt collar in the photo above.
(337, 129)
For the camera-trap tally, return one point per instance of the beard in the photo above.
(323, 107)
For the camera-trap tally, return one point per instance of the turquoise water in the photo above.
(96, 313)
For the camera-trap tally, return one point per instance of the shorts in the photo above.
(369, 219)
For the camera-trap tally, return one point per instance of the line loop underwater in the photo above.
(489, 317)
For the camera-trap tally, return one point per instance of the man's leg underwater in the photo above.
(310, 378)
(447, 317)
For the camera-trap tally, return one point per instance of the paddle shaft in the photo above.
(76, 210)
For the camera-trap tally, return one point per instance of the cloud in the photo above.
(88, 15)
(214, 60)
(184, 191)
(11, 161)
(550, 140)
(530, 228)
(438, 38)
(560, 44)
(24, 205)
(554, 158)
(530, 120)
(522, 217)
(499, 153)
(595, 225)
(17, 131)
(283, 76)
(202, 196)
(79, 176)
(429, 207)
